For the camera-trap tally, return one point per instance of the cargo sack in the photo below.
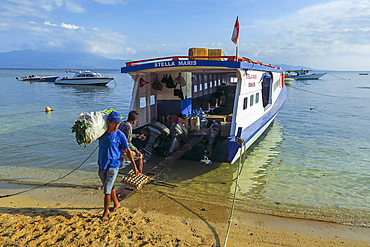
(164, 79)
(90, 126)
(157, 85)
(169, 83)
(180, 80)
(142, 82)
(179, 93)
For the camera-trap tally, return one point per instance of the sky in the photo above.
(321, 34)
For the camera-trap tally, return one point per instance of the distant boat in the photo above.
(303, 74)
(84, 78)
(288, 81)
(363, 73)
(36, 78)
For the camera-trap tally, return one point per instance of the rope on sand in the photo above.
(42, 185)
(236, 186)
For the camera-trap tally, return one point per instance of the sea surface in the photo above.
(313, 162)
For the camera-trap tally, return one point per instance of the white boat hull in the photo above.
(85, 81)
(307, 77)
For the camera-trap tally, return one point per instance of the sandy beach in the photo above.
(56, 216)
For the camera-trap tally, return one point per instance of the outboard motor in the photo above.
(179, 135)
(213, 136)
(158, 134)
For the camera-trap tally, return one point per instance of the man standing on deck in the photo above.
(126, 127)
(111, 145)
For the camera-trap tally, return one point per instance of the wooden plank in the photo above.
(126, 190)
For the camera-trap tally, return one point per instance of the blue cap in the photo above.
(114, 117)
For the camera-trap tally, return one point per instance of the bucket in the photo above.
(194, 124)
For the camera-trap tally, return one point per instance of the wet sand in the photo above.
(71, 217)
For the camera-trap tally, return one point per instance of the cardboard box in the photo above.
(193, 52)
(216, 52)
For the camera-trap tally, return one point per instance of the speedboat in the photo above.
(228, 100)
(303, 74)
(36, 78)
(85, 77)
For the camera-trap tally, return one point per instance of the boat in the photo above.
(303, 74)
(228, 101)
(84, 77)
(36, 78)
(363, 73)
(288, 81)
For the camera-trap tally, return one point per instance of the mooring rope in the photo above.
(236, 186)
(327, 95)
(338, 77)
(36, 144)
(42, 185)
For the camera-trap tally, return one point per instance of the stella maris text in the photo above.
(175, 63)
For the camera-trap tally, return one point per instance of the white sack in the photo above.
(98, 124)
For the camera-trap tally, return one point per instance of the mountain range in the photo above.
(57, 60)
(82, 60)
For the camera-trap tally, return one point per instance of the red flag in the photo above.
(235, 36)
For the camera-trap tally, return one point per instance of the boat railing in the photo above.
(175, 58)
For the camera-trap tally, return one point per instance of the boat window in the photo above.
(195, 88)
(205, 85)
(257, 97)
(233, 79)
(142, 102)
(210, 84)
(200, 87)
(219, 82)
(252, 100)
(245, 105)
(152, 99)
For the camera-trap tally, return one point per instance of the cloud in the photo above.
(49, 24)
(334, 28)
(74, 7)
(111, 1)
(70, 26)
(70, 37)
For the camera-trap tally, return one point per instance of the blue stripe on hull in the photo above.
(249, 132)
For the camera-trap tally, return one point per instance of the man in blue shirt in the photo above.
(111, 144)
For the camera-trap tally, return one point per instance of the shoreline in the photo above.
(61, 216)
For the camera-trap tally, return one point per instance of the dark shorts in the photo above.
(108, 177)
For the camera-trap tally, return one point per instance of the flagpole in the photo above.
(237, 51)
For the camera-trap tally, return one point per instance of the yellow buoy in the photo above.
(48, 109)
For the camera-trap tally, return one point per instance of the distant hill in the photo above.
(286, 67)
(61, 60)
(57, 60)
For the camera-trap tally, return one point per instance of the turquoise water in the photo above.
(312, 163)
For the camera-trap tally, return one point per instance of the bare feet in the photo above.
(105, 219)
(116, 206)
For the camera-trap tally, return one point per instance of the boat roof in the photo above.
(81, 71)
(195, 63)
